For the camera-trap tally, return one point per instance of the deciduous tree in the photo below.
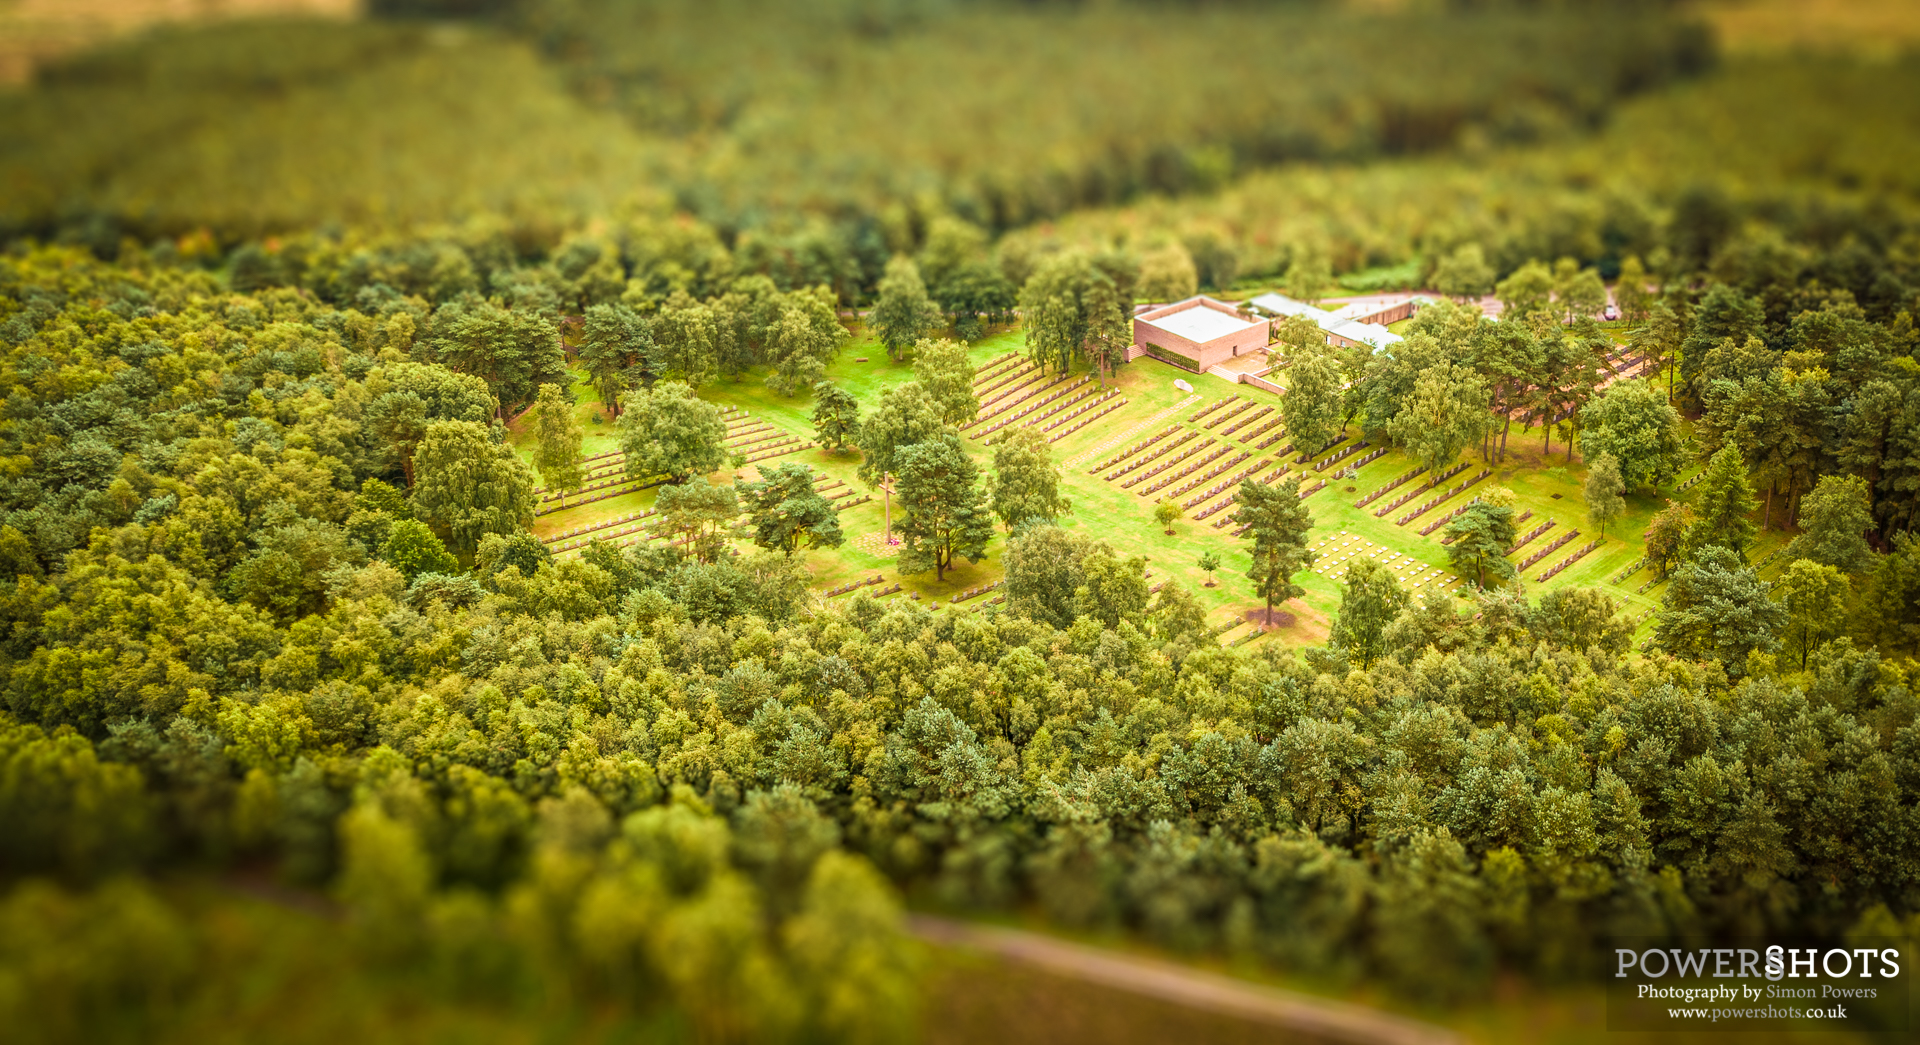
(1370, 599)
(943, 370)
(1112, 589)
(1634, 424)
(906, 415)
(1603, 490)
(1025, 483)
(469, 485)
(1814, 596)
(1464, 274)
(412, 548)
(1836, 518)
(699, 513)
(407, 397)
(666, 431)
(557, 436)
(904, 313)
(805, 340)
(1446, 413)
(1312, 409)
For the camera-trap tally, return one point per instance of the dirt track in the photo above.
(1301, 1017)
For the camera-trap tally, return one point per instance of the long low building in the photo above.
(1351, 326)
(1198, 333)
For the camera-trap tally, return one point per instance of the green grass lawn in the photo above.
(1543, 482)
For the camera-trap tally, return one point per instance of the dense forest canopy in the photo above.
(276, 625)
(752, 115)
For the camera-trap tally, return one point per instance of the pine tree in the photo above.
(1481, 536)
(1717, 607)
(615, 349)
(1725, 502)
(787, 512)
(557, 438)
(1277, 523)
(946, 516)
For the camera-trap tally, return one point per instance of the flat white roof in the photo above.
(1331, 322)
(1201, 324)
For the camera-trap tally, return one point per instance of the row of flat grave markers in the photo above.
(1342, 548)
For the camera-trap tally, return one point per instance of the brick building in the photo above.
(1197, 333)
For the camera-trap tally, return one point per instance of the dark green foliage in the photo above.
(1836, 518)
(1717, 608)
(1044, 569)
(1277, 523)
(787, 511)
(1724, 501)
(945, 513)
(1632, 423)
(616, 349)
(836, 415)
(1481, 534)
(514, 351)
